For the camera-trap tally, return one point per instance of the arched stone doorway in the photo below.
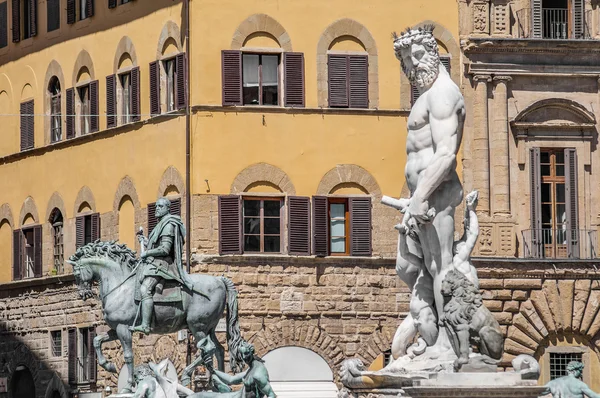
(299, 372)
(22, 384)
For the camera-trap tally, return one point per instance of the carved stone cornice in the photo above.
(481, 45)
(506, 69)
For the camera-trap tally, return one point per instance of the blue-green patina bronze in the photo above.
(570, 386)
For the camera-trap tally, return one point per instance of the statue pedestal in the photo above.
(465, 385)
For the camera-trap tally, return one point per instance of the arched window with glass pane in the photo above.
(55, 113)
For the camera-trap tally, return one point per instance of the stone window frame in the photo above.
(51, 343)
(283, 219)
(169, 31)
(585, 351)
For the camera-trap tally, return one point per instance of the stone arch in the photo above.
(260, 23)
(22, 356)
(126, 188)
(83, 60)
(6, 85)
(29, 79)
(304, 334)
(84, 195)
(262, 172)
(353, 28)
(56, 385)
(6, 214)
(348, 173)
(29, 208)
(125, 46)
(171, 178)
(445, 37)
(54, 70)
(169, 31)
(566, 112)
(379, 342)
(55, 202)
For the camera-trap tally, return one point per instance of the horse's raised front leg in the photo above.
(206, 349)
(98, 341)
(125, 337)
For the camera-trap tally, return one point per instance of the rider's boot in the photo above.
(147, 307)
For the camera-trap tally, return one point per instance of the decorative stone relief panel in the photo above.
(506, 246)
(496, 239)
(501, 19)
(481, 18)
(486, 240)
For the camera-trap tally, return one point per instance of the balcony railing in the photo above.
(555, 24)
(559, 243)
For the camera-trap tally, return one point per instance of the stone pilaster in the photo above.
(481, 148)
(499, 147)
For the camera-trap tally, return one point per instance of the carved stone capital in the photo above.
(502, 79)
(482, 78)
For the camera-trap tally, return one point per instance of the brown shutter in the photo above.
(95, 219)
(3, 24)
(320, 222)
(91, 359)
(70, 118)
(30, 125)
(360, 226)
(94, 118)
(231, 75)
(33, 17)
(446, 62)
(155, 88)
(181, 79)
(571, 202)
(535, 202)
(27, 127)
(338, 80)
(359, 81)
(112, 3)
(151, 217)
(230, 224)
(414, 94)
(79, 231)
(89, 8)
(71, 12)
(293, 64)
(111, 101)
(17, 254)
(135, 94)
(16, 20)
(37, 251)
(175, 208)
(578, 18)
(72, 355)
(536, 18)
(299, 225)
(53, 15)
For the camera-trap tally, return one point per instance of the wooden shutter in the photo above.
(446, 62)
(79, 231)
(571, 202)
(37, 251)
(293, 65)
(181, 80)
(535, 206)
(151, 217)
(578, 18)
(71, 12)
(135, 94)
(17, 254)
(320, 222)
(72, 355)
(360, 226)
(338, 80)
(95, 219)
(536, 18)
(16, 20)
(89, 8)
(112, 3)
(94, 118)
(231, 75)
(32, 17)
(27, 127)
(70, 118)
(230, 224)
(111, 101)
(359, 81)
(414, 93)
(53, 14)
(175, 208)
(3, 24)
(154, 88)
(299, 225)
(91, 359)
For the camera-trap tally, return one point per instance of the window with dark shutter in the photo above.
(535, 205)
(37, 251)
(72, 355)
(3, 24)
(53, 14)
(360, 226)
(89, 8)
(32, 17)
(231, 67)
(16, 20)
(320, 222)
(94, 117)
(358, 66)
(70, 117)
(338, 80)
(112, 3)
(111, 101)
(91, 359)
(151, 217)
(17, 254)
(27, 125)
(293, 64)
(175, 208)
(135, 95)
(155, 87)
(571, 203)
(79, 231)
(299, 225)
(536, 18)
(230, 221)
(71, 12)
(95, 226)
(578, 19)
(181, 78)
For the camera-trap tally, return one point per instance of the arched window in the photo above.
(56, 220)
(55, 111)
(22, 383)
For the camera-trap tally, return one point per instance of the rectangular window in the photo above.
(262, 225)
(169, 66)
(348, 81)
(126, 97)
(57, 235)
(87, 229)
(55, 118)
(56, 343)
(559, 362)
(83, 13)
(339, 222)
(3, 24)
(53, 14)
(28, 271)
(82, 367)
(84, 114)
(27, 253)
(553, 201)
(26, 20)
(27, 125)
(260, 79)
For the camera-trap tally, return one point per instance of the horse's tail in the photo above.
(234, 337)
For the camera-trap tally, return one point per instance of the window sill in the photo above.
(301, 110)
